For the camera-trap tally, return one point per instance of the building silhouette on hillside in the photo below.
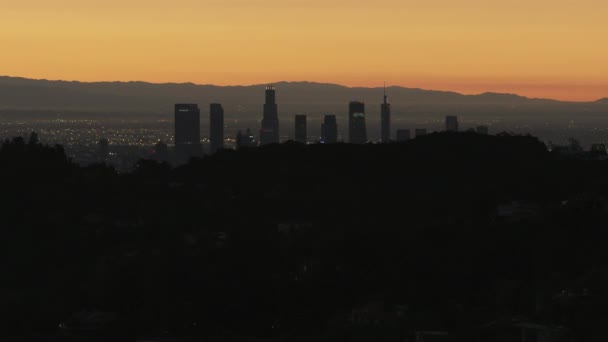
(187, 130)
(269, 133)
(403, 135)
(300, 129)
(329, 130)
(385, 120)
(216, 127)
(357, 132)
(451, 123)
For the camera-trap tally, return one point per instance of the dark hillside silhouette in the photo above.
(455, 232)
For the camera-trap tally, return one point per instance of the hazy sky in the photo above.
(548, 48)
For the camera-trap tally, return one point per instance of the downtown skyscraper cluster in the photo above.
(188, 137)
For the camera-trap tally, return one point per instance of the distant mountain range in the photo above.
(21, 94)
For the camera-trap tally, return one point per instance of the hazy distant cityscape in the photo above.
(339, 219)
(133, 136)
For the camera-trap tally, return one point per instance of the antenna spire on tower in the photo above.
(385, 97)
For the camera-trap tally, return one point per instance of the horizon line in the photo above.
(305, 81)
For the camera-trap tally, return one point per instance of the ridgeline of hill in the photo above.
(20, 94)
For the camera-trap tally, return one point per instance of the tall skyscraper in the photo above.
(300, 129)
(187, 130)
(216, 127)
(269, 134)
(385, 118)
(451, 123)
(329, 130)
(357, 132)
(403, 135)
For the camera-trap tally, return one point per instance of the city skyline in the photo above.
(304, 170)
(541, 49)
(188, 127)
(210, 136)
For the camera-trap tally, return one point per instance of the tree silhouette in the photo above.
(456, 232)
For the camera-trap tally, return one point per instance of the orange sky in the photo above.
(538, 48)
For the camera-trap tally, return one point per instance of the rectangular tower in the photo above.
(451, 123)
(329, 130)
(300, 129)
(357, 132)
(188, 130)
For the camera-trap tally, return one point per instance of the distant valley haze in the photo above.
(245, 102)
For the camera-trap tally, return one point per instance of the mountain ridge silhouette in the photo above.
(22, 94)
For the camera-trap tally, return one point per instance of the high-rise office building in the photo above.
(385, 118)
(403, 135)
(329, 130)
(420, 132)
(300, 129)
(269, 134)
(187, 130)
(451, 123)
(216, 127)
(357, 132)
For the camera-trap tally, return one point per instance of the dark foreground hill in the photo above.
(477, 237)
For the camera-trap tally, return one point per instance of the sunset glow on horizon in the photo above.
(552, 49)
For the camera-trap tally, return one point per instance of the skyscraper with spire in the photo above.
(269, 134)
(385, 118)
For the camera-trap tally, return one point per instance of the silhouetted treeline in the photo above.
(460, 233)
